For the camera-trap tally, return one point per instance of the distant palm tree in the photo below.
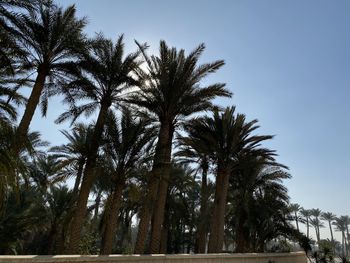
(329, 217)
(306, 213)
(340, 224)
(172, 91)
(105, 75)
(51, 37)
(316, 222)
(295, 208)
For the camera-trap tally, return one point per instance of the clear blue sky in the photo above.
(287, 63)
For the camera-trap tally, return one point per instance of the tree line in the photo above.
(315, 218)
(151, 163)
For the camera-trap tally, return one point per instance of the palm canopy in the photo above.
(328, 216)
(51, 38)
(226, 134)
(128, 142)
(172, 84)
(76, 150)
(104, 77)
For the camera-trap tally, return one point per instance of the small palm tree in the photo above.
(172, 91)
(258, 200)
(105, 74)
(73, 155)
(225, 135)
(126, 148)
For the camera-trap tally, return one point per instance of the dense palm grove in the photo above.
(150, 164)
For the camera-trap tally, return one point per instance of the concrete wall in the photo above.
(295, 257)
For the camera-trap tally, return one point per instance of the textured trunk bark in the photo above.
(241, 235)
(164, 175)
(88, 180)
(160, 170)
(203, 213)
(29, 111)
(217, 226)
(51, 240)
(110, 230)
(165, 232)
(307, 227)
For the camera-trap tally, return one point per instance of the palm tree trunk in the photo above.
(94, 220)
(307, 227)
(217, 226)
(165, 232)
(296, 220)
(86, 184)
(332, 237)
(160, 169)
(164, 172)
(29, 111)
(317, 236)
(112, 219)
(241, 236)
(78, 177)
(202, 227)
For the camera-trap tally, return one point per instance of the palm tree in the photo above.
(73, 155)
(10, 51)
(104, 75)
(225, 135)
(51, 37)
(295, 208)
(171, 92)
(258, 199)
(14, 170)
(340, 224)
(126, 148)
(329, 217)
(192, 150)
(316, 222)
(306, 213)
(59, 200)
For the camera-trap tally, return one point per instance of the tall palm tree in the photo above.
(295, 208)
(316, 222)
(226, 135)
(105, 74)
(329, 217)
(171, 92)
(306, 213)
(126, 147)
(51, 37)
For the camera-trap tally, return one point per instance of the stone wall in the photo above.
(294, 257)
